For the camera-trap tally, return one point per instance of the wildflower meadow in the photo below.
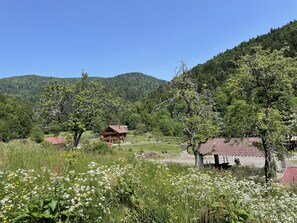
(121, 188)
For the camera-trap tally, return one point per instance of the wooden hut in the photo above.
(234, 151)
(114, 134)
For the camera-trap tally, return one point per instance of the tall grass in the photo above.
(41, 183)
(25, 154)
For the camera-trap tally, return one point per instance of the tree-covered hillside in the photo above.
(130, 86)
(215, 71)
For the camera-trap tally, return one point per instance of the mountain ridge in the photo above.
(129, 86)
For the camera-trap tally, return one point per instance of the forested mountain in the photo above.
(130, 86)
(215, 71)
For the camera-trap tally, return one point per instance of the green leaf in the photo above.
(20, 216)
(53, 205)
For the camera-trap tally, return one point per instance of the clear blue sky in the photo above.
(110, 37)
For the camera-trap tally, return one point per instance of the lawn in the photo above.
(141, 143)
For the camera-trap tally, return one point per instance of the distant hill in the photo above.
(130, 86)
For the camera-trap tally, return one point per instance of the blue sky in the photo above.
(111, 37)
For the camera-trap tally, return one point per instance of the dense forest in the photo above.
(129, 87)
(215, 71)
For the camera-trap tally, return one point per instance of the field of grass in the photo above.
(41, 183)
(294, 162)
(141, 143)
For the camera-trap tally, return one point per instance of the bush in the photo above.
(37, 134)
(100, 148)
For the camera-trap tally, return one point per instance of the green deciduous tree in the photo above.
(263, 102)
(37, 134)
(72, 107)
(195, 111)
(15, 119)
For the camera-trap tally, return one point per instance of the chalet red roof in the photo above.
(233, 147)
(290, 175)
(56, 140)
(119, 128)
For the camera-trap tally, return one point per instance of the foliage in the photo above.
(72, 198)
(37, 134)
(15, 119)
(73, 107)
(100, 148)
(140, 128)
(262, 102)
(195, 111)
(166, 126)
(134, 120)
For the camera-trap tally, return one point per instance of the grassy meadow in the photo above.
(42, 183)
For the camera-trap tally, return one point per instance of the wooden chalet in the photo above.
(114, 134)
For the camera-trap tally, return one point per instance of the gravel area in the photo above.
(188, 159)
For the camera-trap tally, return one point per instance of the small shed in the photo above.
(290, 176)
(233, 151)
(232, 147)
(56, 140)
(114, 133)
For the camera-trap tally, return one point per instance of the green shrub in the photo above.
(37, 134)
(100, 148)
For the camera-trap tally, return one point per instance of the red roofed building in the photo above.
(222, 152)
(290, 176)
(114, 133)
(233, 147)
(56, 140)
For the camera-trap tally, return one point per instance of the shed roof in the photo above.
(56, 140)
(119, 128)
(290, 175)
(233, 147)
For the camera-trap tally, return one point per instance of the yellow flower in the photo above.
(5, 219)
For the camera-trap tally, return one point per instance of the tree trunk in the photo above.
(267, 153)
(198, 160)
(76, 137)
(267, 165)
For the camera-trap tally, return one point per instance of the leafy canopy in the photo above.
(263, 101)
(72, 107)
